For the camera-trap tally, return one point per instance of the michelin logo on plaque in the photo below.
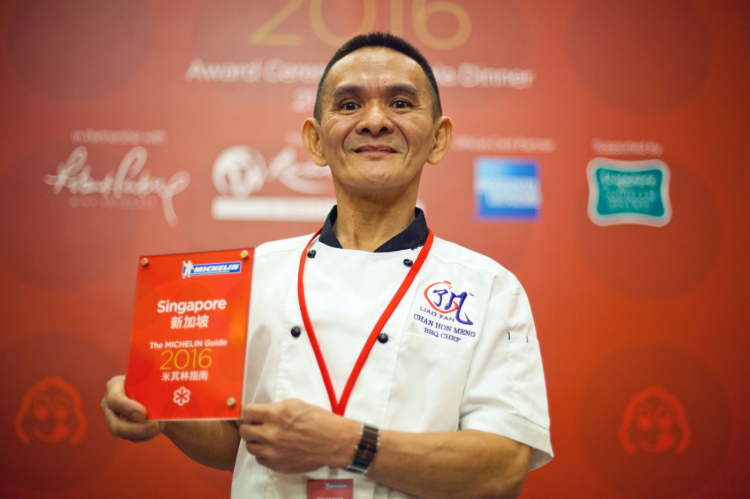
(629, 192)
(507, 189)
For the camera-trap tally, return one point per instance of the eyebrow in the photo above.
(400, 88)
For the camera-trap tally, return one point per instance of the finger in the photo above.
(253, 433)
(129, 430)
(257, 450)
(264, 454)
(265, 462)
(255, 413)
(118, 402)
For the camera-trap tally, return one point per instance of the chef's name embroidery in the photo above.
(446, 308)
(444, 331)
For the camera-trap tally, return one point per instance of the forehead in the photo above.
(375, 67)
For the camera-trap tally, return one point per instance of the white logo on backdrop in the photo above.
(241, 171)
(627, 147)
(129, 187)
(120, 137)
(493, 143)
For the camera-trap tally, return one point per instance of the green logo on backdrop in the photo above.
(629, 192)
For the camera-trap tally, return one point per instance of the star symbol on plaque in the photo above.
(181, 396)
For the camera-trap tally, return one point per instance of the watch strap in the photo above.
(364, 451)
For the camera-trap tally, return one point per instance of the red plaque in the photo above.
(187, 347)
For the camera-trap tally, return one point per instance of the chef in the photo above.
(382, 361)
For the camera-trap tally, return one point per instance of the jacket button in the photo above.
(296, 332)
(383, 338)
(311, 254)
(408, 262)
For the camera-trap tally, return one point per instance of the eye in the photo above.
(349, 106)
(401, 104)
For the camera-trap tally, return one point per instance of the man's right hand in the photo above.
(126, 418)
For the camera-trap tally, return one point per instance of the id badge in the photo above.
(330, 489)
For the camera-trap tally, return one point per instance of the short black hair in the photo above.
(392, 42)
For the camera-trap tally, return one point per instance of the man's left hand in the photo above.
(293, 436)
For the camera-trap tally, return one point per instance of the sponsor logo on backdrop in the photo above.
(51, 427)
(51, 411)
(131, 186)
(189, 269)
(654, 421)
(627, 148)
(507, 189)
(240, 171)
(516, 144)
(629, 192)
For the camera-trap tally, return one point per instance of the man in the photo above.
(456, 346)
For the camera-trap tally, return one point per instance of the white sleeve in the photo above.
(505, 391)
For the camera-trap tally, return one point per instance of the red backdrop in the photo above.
(134, 127)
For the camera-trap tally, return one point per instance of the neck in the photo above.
(367, 222)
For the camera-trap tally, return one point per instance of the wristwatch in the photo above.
(364, 451)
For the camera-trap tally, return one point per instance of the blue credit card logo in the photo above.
(507, 189)
(191, 270)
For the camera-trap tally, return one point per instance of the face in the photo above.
(377, 128)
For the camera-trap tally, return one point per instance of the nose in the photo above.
(375, 121)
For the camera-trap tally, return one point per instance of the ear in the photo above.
(312, 141)
(441, 140)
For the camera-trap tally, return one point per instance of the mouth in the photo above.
(375, 148)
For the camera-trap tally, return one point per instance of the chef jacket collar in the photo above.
(412, 237)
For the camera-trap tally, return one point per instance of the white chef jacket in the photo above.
(452, 361)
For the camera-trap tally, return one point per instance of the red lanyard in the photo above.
(338, 407)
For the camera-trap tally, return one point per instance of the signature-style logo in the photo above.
(240, 171)
(130, 181)
(51, 411)
(654, 421)
(189, 269)
(443, 299)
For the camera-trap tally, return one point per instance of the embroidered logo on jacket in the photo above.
(443, 299)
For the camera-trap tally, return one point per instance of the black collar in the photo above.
(413, 237)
